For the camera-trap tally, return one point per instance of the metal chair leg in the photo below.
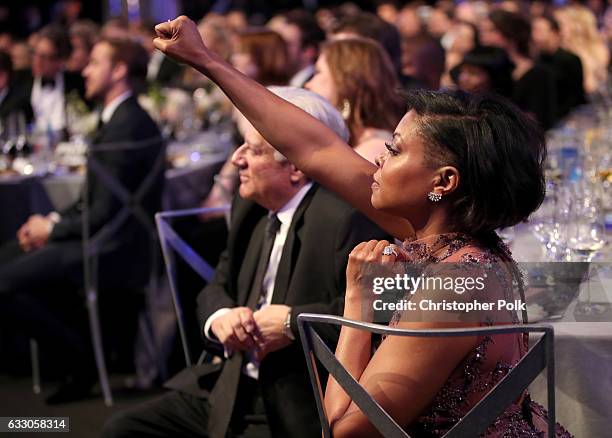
(96, 335)
(35, 366)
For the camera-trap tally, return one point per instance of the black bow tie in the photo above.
(47, 82)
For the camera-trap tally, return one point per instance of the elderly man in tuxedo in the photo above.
(41, 271)
(286, 253)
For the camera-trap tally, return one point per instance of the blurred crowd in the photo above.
(547, 58)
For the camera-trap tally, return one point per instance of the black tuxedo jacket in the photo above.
(311, 277)
(129, 125)
(16, 101)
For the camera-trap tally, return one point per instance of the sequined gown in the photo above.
(493, 357)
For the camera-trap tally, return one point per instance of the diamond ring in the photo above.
(389, 250)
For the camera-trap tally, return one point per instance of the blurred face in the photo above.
(99, 71)
(45, 62)
(474, 79)
(401, 167)
(322, 82)
(542, 35)
(79, 57)
(243, 62)
(490, 36)
(263, 179)
(464, 39)
(20, 54)
(293, 38)
(438, 23)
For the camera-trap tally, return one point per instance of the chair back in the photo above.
(476, 421)
(106, 170)
(170, 240)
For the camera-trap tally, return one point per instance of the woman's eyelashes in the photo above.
(391, 149)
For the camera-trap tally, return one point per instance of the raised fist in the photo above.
(180, 39)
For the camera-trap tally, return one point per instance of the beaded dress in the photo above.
(493, 357)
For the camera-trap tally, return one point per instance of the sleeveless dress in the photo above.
(493, 357)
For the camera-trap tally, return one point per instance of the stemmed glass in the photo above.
(586, 236)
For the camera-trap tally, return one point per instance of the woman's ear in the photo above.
(446, 180)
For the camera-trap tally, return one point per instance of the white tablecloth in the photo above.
(583, 354)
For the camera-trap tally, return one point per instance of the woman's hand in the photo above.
(181, 40)
(366, 261)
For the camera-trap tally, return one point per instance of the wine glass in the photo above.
(586, 237)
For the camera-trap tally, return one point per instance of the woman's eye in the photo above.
(390, 148)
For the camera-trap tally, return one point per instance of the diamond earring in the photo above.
(434, 197)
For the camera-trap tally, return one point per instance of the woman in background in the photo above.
(357, 77)
(579, 35)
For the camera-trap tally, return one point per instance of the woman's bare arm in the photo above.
(403, 376)
(306, 142)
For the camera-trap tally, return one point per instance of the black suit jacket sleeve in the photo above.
(355, 228)
(214, 296)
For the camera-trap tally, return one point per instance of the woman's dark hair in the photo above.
(498, 150)
(495, 62)
(514, 27)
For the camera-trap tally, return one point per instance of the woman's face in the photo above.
(403, 180)
(490, 36)
(322, 82)
(474, 79)
(243, 62)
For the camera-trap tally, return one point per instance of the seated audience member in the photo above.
(262, 54)
(368, 25)
(303, 36)
(41, 271)
(357, 77)
(534, 84)
(286, 254)
(460, 39)
(83, 36)
(580, 35)
(566, 66)
(13, 99)
(22, 62)
(423, 61)
(485, 69)
(459, 167)
(51, 84)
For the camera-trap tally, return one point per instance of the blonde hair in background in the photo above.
(579, 34)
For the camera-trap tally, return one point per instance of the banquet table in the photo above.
(583, 349)
(186, 186)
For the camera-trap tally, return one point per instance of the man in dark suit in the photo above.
(51, 87)
(565, 65)
(41, 271)
(286, 254)
(13, 99)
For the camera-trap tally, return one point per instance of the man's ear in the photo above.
(120, 72)
(446, 180)
(295, 175)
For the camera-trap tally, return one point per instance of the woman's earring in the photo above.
(434, 197)
(345, 112)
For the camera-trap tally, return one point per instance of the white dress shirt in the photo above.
(48, 104)
(285, 216)
(109, 109)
